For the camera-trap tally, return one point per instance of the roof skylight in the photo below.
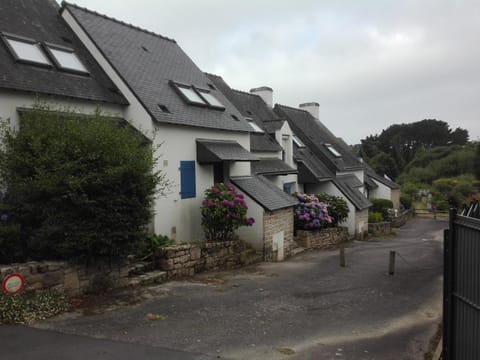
(191, 95)
(212, 100)
(197, 96)
(26, 50)
(66, 59)
(332, 150)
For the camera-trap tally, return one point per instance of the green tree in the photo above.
(78, 187)
(383, 164)
(477, 161)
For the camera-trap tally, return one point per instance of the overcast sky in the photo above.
(369, 64)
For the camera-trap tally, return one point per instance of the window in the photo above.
(288, 187)
(197, 96)
(332, 150)
(191, 95)
(297, 141)
(26, 50)
(212, 100)
(187, 180)
(66, 59)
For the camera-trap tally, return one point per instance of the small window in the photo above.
(164, 108)
(26, 50)
(187, 180)
(333, 151)
(196, 96)
(297, 141)
(234, 117)
(254, 126)
(66, 59)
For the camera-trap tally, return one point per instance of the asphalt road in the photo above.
(305, 308)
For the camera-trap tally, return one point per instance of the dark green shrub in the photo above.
(79, 188)
(337, 208)
(374, 217)
(406, 201)
(381, 206)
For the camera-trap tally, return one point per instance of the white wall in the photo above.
(253, 235)
(11, 101)
(330, 188)
(382, 192)
(182, 216)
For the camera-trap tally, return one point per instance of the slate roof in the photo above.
(272, 166)
(252, 106)
(210, 151)
(351, 181)
(370, 173)
(310, 169)
(40, 21)
(316, 135)
(343, 183)
(264, 192)
(369, 183)
(147, 63)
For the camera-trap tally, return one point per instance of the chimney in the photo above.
(266, 93)
(312, 107)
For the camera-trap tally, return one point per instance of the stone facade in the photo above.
(361, 222)
(278, 240)
(186, 260)
(322, 239)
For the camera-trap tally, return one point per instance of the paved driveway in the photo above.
(305, 308)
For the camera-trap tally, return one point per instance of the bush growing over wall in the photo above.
(310, 213)
(337, 208)
(223, 211)
(374, 217)
(381, 206)
(406, 201)
(77, 187)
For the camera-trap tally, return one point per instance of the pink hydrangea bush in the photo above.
(310, 213)
(223, 211)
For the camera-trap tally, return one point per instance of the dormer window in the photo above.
(254, 126)
(65, 59)
(25, 50)
(297, 141)
(332, 150)
(197, 96)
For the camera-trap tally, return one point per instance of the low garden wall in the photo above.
(173, 261)
(73, 279)
(322, 239)
(380, 228)
(186, 260)
(402, 218)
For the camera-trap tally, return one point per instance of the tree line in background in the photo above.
(427, 158)
(390, 152)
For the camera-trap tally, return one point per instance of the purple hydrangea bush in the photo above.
(310, 213)
(223, 211)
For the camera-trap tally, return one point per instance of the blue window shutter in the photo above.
(187, 179)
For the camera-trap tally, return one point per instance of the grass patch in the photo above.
(30, 306)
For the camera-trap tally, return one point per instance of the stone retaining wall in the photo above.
(278, 224)
(379, 228)
(322, 239)
(185, 260)
(402, 218)
(73, 279)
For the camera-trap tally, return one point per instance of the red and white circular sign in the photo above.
(13, 284)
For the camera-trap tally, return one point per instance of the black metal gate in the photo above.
(461, 310)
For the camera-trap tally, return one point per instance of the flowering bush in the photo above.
(223, 211)
(310, 213)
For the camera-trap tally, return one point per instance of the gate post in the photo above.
(448, 276)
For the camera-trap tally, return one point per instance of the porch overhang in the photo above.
(215, 151)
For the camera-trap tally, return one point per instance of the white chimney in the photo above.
(266, 93)
(312, 107)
